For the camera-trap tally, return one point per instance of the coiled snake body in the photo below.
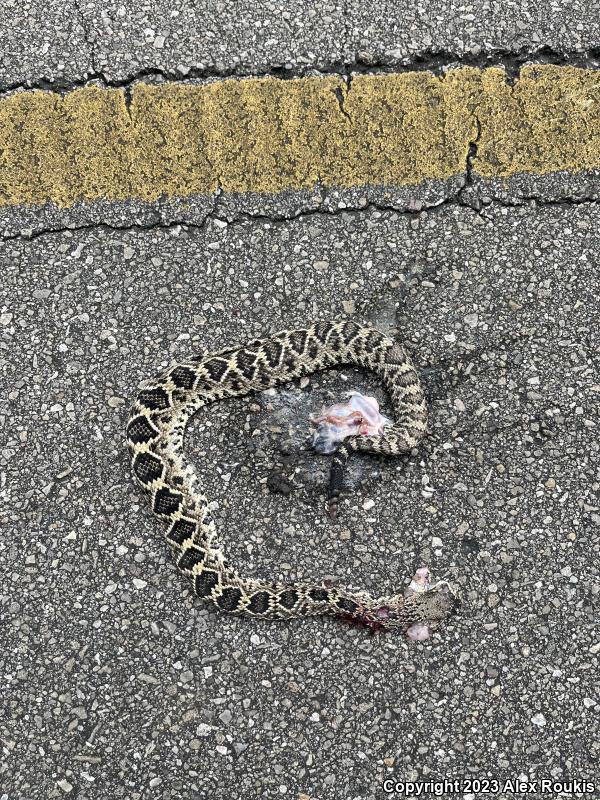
(155, 434)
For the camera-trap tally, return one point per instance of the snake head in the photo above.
(429, 607)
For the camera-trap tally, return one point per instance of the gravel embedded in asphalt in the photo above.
(121, 684)
(121, 39)
(42, 42)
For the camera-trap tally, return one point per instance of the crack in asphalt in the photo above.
(473, 144)
(242, 218)
(472, 154)
(87, 37)
(341, 98)
(218, 212)
(431, 60)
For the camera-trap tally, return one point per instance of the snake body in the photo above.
(155, 436)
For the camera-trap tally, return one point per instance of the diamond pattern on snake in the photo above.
(155, 437)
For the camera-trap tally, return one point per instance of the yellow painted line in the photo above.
(548, 121)
(268, 135)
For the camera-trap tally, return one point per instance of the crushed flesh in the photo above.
(358, 416)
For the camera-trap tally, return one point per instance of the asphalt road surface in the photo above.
(116, 681)
(121, 684)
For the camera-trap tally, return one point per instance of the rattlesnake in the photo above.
(155, 434)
